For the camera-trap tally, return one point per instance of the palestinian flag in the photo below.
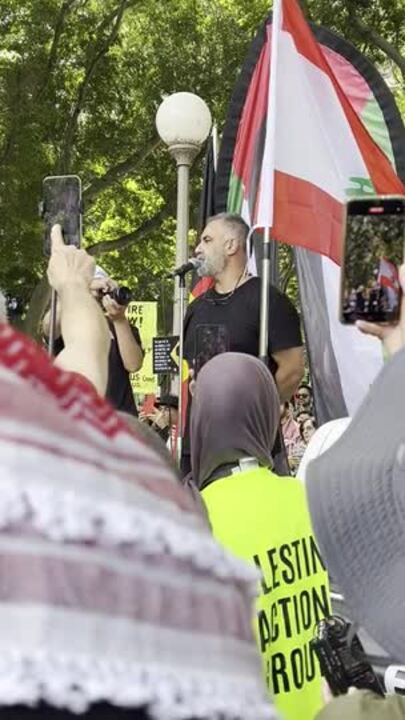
(308, 129)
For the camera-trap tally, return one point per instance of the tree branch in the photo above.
(132, 237)
(64, 11)
(117, 15)
(380, 42)
(36, 309)
(9, 140)
(133, 162)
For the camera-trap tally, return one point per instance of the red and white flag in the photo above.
(388, 275)
(318, 154)
(388, 278)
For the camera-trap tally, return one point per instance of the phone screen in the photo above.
(374, 246)
(210, 340)
(62, 204)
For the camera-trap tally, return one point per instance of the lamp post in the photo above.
(183, 122)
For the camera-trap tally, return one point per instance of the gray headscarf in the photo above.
(235, 414)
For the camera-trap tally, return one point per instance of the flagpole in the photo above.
(265, 215)
(214, 134)
(264, 300)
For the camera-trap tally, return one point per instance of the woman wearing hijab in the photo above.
(262, 518)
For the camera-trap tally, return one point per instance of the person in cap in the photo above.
(356, 495)
(164, 416)
(262, 518)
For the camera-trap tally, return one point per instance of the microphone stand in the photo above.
(52, 326)
(264, 300)
(182, 306)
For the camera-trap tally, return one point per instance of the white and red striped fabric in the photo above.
(111, 585)
(317, 154)
(388, 275)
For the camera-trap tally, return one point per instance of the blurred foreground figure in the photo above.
(356, 494)
(115, 601)
(111, 588)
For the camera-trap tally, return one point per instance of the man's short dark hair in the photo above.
(236, 224)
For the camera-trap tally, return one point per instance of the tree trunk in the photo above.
(36, 309)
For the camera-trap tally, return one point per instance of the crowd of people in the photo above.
(298, 425)
(133, 588)
(371, 302)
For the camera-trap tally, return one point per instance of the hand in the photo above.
(391, 336)
(101, 285)
(113, 310)
(67, 264)
(159, 418)
(327, 696)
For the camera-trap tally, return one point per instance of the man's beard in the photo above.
(211, 267)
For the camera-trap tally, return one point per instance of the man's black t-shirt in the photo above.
(239, 313)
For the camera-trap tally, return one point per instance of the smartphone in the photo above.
(62, 203)
(210, 340)
(373, 251)
(149, 404)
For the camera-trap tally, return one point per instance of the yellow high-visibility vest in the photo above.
(264, 519)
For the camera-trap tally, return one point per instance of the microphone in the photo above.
(193, 264)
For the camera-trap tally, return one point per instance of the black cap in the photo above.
(171, 401)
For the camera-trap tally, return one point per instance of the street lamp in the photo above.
(183, 122)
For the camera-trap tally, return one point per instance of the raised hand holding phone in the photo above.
(68, 264)
(391, 336)
(373, 251)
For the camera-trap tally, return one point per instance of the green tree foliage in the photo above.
(80, 83)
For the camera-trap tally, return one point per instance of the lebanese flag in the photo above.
(317, 154)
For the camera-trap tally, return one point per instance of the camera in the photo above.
(122, 295)
(342, 659)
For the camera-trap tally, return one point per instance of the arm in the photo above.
(290, 371)
(84, 329)
(285, 344)
(130, 350)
